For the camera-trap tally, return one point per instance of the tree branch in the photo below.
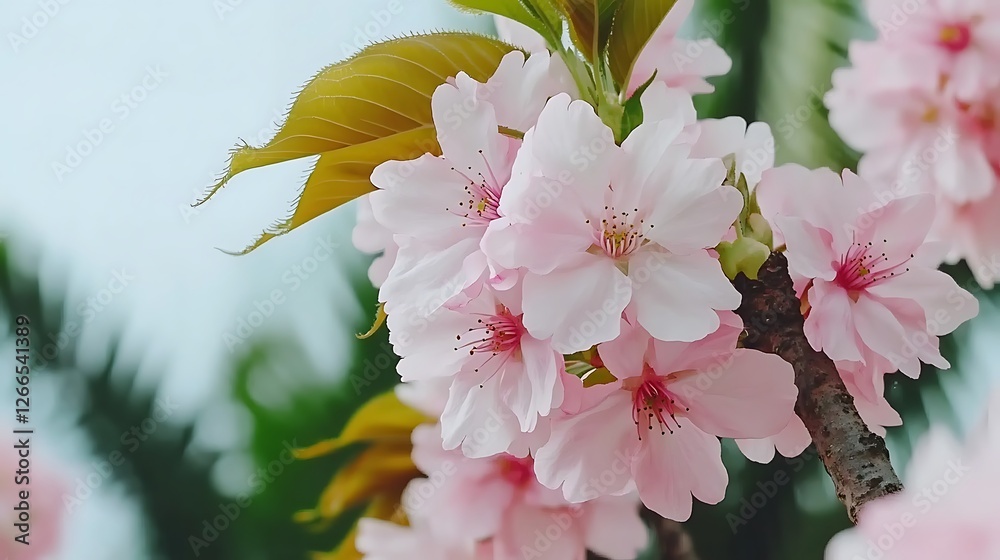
(857, 460)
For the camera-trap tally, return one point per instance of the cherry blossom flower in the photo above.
(948, 509)
(497, 501)
(501, 376)
(679, 63)
(959, 37)
(597, 226)
(873, 297)
(657, 427)
(438, 207)
(917, 138)
(972, 232)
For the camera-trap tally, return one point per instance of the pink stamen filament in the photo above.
(866, 264)
(619, 234)
(497, 335)
(653, 403)
(483, 204)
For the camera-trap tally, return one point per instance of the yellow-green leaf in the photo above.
(378, 470)
(362, 112)
(380, 318)
(634, 26)
(383, 419)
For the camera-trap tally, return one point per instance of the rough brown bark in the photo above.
(672, 539)
(857, 460)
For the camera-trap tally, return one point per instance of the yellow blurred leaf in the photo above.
(634, 26)
(383, 419)
(362, 112)
(380, 317)
(378, 470)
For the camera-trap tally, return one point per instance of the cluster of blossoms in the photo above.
(923, 102)
(563, 298)
(948, 510)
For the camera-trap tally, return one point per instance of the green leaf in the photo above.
(520, 11)
(633, 27)
(632, 117)
(547, 11)
(362, 112)
(590, 24)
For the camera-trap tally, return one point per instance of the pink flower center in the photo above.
(653, 403)
(619, 234)
(955, 37)
(517, 471)
(493, 334)
(483, 203)
(867, 264)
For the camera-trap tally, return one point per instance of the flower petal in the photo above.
(676, 296)
(669, 469)
(740, 394)
(593, 443)
(578, 305)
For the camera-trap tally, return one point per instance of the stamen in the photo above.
(654, 404)
(483, 203)
(495, 335)
(867, 264)
(619, 234)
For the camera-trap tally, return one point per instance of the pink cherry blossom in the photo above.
(679, 63)
(959, 37)
(502, 379)
(497, 501)
(657, 427)
(438, 207)
(916, 137)
(597, 226)
(948, 509)
(873, 296)
(972, 232)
